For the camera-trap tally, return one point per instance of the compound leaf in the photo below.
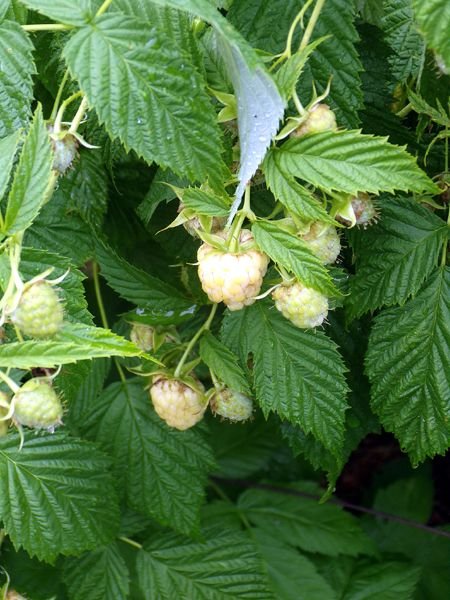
(407, 361)
(161, 470)
(298, 373)
(57, 495)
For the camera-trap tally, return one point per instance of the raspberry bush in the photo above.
(225, 297)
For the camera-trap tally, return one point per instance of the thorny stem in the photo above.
(206, 325)
(103, 317)
(58, 95)
(243, 483)
(131, 542)
(47, 27)
(311, 24)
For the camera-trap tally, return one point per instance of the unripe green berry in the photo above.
(323, 241)
(4, 425)
(39, 313)
(304, 307)
(231, 405)
(142, 336)
(37, 405)
(320, 118)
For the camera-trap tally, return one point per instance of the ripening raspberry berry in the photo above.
(65, 149)
(37, 405)
(231, 405)
(323, 241)
(303, 306)
(364, 209)
(142, 336)
(177, 403)
(39, 313)
(13, 595)
(320, 118)
(232, 278)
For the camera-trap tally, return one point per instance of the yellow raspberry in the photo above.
(178, 404)
(304, 307)
(324, 242)
(234, 279)
(231, 405)
(142, 336)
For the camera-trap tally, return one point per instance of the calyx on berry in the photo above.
(180, 403)
(37, 405)
(194, 223)
(319, 118)
(231, 405)
(304, 307)
(234, 278)
(39, 313)
(358, 210)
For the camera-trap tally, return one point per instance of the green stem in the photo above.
(131, 542)
(206, 325)
(295, 22)
(58, 95)
(79, 116)
(104, 7)
(62, 108)
(47, 27)
(311, 24)
(9, 382)
(103, 317)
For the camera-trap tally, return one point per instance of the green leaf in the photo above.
(162, 471)
(147, 93)
(174, 24)
(4, 7)
(205, 203)
(140, 287)
(351, 162)
(363, 580)
(32, 178)
(74, 342)
(260, 105)
(225, 566)
(288, 74)
(421, 106)
(223, 363)
(293, 254)
(304, 523)
(294, 196)
(66, 11)
(405, 41)
(407, 365)
(395, 256)
(291, 575)
(298, 374)
(57, 495)
(8, 148)
(16, 84)
(97, 575)
(241, 451)
(433, 17)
